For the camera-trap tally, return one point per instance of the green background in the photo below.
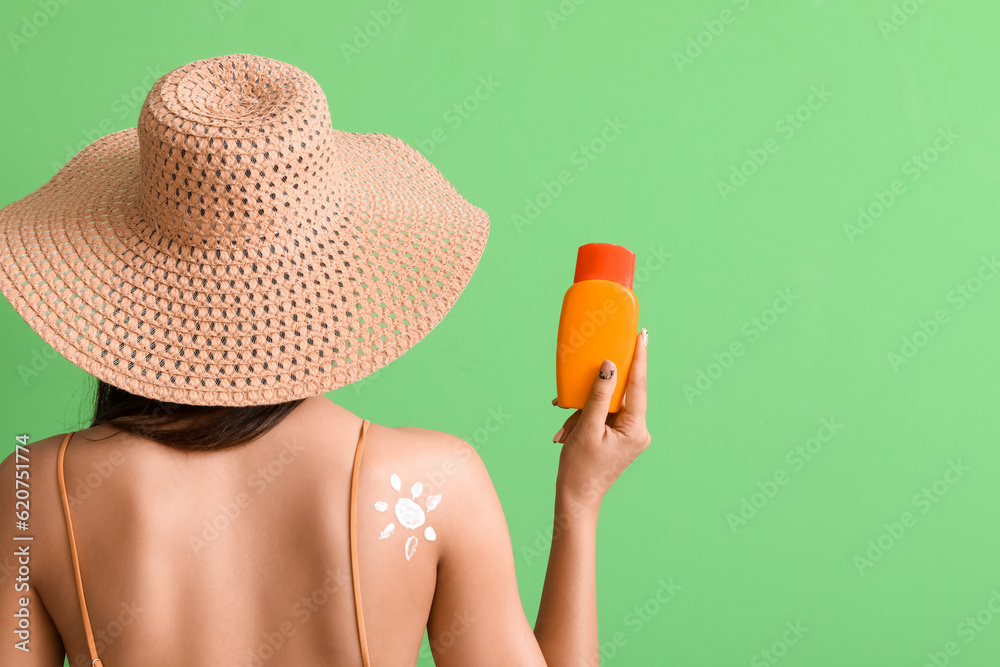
(731, 190)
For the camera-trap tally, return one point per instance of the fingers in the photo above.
(595, 411)
(567, 427)
(635, 389)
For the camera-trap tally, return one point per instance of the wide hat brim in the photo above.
(73, 266)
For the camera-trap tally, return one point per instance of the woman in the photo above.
(218, 269)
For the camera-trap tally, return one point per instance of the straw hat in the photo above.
(236, 249)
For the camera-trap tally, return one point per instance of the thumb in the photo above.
(595, 411)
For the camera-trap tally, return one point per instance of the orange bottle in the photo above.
(599, 320)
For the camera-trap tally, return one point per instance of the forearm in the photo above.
(566, 628)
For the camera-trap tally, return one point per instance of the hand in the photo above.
(598, 445)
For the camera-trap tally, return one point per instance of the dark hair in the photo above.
(186, 427)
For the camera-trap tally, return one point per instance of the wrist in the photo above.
(574, 518)
(577, 485)
(577, 497)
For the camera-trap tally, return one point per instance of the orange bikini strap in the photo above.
(355, 476)
(95, 661)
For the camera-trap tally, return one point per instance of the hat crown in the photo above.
(233, 150)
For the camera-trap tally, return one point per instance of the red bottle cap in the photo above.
(605, 261)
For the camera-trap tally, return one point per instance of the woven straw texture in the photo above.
(235, 249)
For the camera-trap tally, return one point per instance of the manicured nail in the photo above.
(644, 336)
(558, 435)
(607, 369)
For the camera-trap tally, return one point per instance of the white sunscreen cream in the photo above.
(409, 514)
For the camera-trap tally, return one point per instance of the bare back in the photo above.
(242, 557)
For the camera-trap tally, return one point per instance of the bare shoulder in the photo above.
(427, 440)
(28, 483)
(36, 461)
(445, 466)
(27, 491)
(29, 468)
(38, 458)
(44, 446)
(443, 452)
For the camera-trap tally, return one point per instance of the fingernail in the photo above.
(607, 369)
(644, 336)
(558, 435)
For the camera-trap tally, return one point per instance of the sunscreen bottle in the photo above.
(599, 320)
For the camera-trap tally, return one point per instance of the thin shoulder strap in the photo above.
(95, 661)
(355, 476)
